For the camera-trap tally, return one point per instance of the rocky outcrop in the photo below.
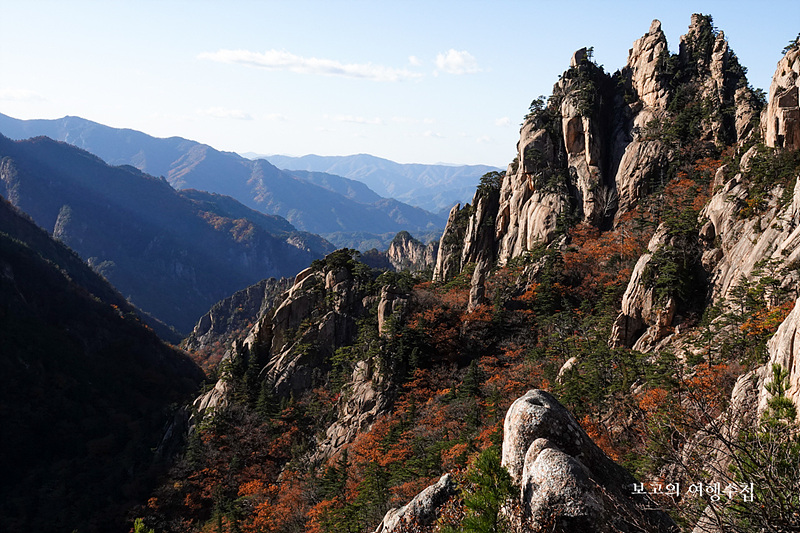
(596, 148)
(568, 483)
(448, 259)
(780, 121)
(230, 316)
(643, 320)
(477, 287)
(640, 154)
(214, 399)
(745, 243)
(643, 70)
(422, 510)
(407, 253)
(392, 303)
(318, 315)
(359, 408)
(479, 241)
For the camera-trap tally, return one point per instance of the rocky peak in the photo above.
(593, 149)
(407, 253)
(781, 119)
(448, 259)
(644, 67)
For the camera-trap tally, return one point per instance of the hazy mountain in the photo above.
(173, 254)
(353, 189)
(433, 187)
(87, 389)
(311, 202)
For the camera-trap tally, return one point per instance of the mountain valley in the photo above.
(601, 337)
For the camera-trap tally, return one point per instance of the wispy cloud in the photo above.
(414, 61)
(283, 60)
(276, 117)
(433, 134)
(356, 120)
(457, 62)
(483, 139)
(501, 122)
(223, 112)
(20, 95)
(411, 120)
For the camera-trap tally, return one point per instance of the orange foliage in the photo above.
(710, 387)
(599, 435)
(602, 260)
(651, 400)
(765, 322)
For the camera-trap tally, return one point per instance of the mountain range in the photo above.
(610, 325)
(608, 340)
(171, 253)
(326, 205)
(435, 188)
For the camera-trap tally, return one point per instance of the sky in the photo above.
(412, 81)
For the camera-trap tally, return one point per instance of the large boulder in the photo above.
(567, 482)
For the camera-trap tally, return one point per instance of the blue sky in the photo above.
(412, 81)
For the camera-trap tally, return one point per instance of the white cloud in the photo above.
(356, 120)
(484, 139)
(455, 62)
(433, 134)
(20, 95)
(277, 117)
(282, 60)
(414, 61)
(411, 120)
(501, 122)
(222, 112)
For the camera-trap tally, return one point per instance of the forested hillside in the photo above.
(638, 260)
(90, 390)
(172, 253)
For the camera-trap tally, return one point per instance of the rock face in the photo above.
(357, 411)
(420, 511)
(646, 95)
(448, 259)
(781, 119)
(391, 302)
(596, 147)
(407, 253)
(642, 70)
(230, 316)
(567, 482)
(643, 320)
(316, 316)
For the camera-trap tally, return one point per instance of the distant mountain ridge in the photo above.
(172, 253)
(311, 202)
(436, 188)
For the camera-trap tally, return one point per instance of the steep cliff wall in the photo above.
(601, 143)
